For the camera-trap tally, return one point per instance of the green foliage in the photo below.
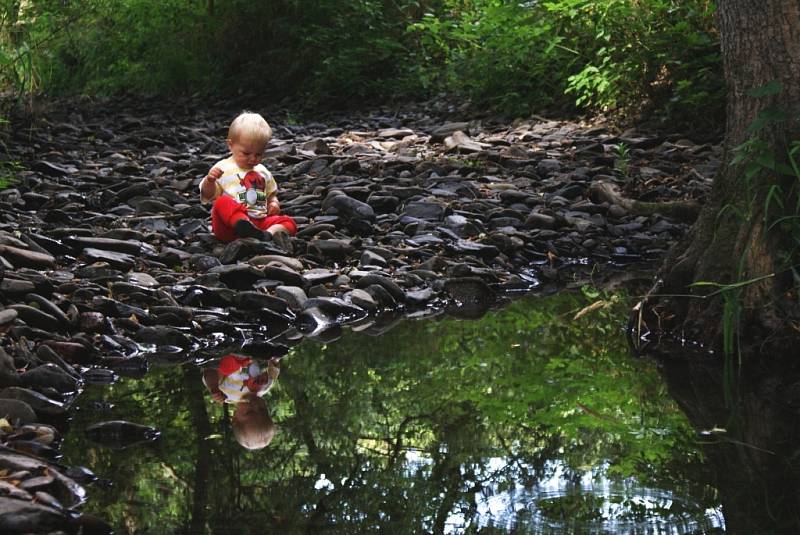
(499, 54)
(623, 158)
(661, 51)
(8, 170)
(516, 57)
(8, 167)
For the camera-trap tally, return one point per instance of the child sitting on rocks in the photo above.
(243, 190)
(239, 380)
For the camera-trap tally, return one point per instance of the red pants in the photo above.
(227, 211)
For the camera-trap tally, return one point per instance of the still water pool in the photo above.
(529, 420)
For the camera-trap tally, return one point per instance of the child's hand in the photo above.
(273, 207)
(214, 175)
(218, 396)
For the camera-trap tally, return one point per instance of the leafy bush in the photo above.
(516, 57)
(502, 55)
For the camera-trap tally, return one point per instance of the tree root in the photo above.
(683, 211)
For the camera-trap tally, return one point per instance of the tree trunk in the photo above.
(731, 241)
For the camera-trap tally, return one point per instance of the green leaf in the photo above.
(767, 117)
(770, 88)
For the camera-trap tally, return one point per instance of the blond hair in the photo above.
(251, 126)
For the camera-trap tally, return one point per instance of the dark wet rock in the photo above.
(7, 490)
(294, 296)
(381, 296)
(459, 141)
(80, 475)
(383, 204)
(395, 133)
(50, 375)
(191, 227)
(539, 220)
(36, 318)
(16, 287)
(40, 403)
(420, 297)
(26, 258)
(548, 166)
(242, 249)
(23, 516)
(118, 309)
(99, 273)
(53, 169)
(100, 376)
(44, 434)
(319, 276)
(393, 289)
(317, 146)
(441, 132)
(131, 247)
(71, 352)
(347, 208)
(286, 262)
(120, 434)
(134, 367)
(258, 301)
(121, 261)
(322, 312)
(319, 290)
(362, 299)
(480, 250)
(314, 229)
(161, 335)
(8, 315)
(6, 361)
(422, 240)
(238, 276)
(171, 256)
(62, 488)
(143, 279)
(471, 297)
(337, 250)
(152, 207)
(430, 211)
(134, 190)
(202, 262)
(16, 411)
(369, 258)
(49, 307)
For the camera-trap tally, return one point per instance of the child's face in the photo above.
(252, 410)
(247, 153)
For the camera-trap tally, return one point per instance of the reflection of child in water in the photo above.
(240, 380)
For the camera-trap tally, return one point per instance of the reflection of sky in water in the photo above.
(518, 509)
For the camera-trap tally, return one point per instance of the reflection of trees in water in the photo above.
(399, 433)
(753, 441)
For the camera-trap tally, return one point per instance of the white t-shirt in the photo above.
(236, 182)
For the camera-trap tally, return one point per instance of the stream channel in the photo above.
(529, 420)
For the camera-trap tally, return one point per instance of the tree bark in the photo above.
(731, 241)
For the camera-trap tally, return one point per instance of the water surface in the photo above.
(526, 421)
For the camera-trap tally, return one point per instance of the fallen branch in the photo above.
(684, 211)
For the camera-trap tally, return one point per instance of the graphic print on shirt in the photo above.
(254, 188)
(234, 181)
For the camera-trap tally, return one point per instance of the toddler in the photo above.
(239, 380)
(243, 190)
